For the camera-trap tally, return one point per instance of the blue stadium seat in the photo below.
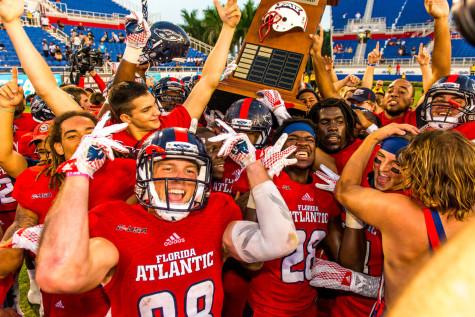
(346, 44)
(101, 6)
(347, 10)
(460, 48)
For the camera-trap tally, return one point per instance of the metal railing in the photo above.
(62, 8)
(200, 46)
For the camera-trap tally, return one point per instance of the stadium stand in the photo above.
(461, 48)
(102, 6)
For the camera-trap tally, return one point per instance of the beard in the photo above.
(396, 112)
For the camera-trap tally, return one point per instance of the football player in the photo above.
(450, 104)
(437, 168)
(167, 250)
(281, 287)
(169, 92)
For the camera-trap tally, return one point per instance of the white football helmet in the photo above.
(282, 17)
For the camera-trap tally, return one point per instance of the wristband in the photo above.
(353, 222)
(69, 174)
(372, 128)
(132, 54)
(371, 65)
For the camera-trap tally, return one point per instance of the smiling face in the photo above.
(179, 191)
(447, 105)
(72, 131)
(332, 129)
(305, 153)
(145, 114)
(387, 172)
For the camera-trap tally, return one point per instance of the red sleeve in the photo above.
(412, 118)
(81, 82)
(100, 83)
(233, 211)
(178, 118)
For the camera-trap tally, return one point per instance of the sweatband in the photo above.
(394, 144)
(299, 126)
(132, 54)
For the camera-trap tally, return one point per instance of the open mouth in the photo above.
(383, 179)
(301, 155)
(176, 195)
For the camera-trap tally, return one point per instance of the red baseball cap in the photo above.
(41, 131)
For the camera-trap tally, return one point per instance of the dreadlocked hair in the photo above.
(439, 169)
(55, 136)
(348, 115)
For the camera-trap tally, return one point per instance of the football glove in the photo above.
(328, 176)
(137, 30)
(274, 102)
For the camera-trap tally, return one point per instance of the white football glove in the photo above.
(94, 148)
(27, 238)
(236, 145)
(328, 176)
(230, 68)
(137, 30)
(331, 275)
(273, 101)
(274, 160)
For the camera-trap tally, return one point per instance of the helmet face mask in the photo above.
(448, 104)
(250, 115)
(163, 146)
(40, 111)
(169, 92)
(283, 16)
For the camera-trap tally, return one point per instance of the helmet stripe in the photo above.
(181, 135)
(452, 78)
(246, 104)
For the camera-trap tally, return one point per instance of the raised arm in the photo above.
(216, 62)
(423, 58)
(324, 82)
(33, 64)
(66, 248)
(370, 205)
(12, 162)
(373, 60)
(442, 52)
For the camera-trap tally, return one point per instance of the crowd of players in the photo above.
(155, 205)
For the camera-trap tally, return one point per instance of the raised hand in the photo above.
(437, 8)
(27, 238)
(274, 102)
(230, 13)
(11, 10)
(328, 61)
(91, 153)
(274, 159)
(423, 57)
(137, 30)
(317, 43)
(10, 94)
(375, 55)
(352, 80)
(236, 145)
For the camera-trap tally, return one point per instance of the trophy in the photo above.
(275, 51)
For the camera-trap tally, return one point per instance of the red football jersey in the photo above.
(409, 117)
(281, 287)
(467, 129)
(114, 181)
(7, 202)
(344, 155)
(169, 268)
(177, 118)
(23, 124)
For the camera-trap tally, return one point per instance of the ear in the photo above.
(125, 118)
(59, 148)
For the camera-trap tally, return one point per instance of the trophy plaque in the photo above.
(275, 51)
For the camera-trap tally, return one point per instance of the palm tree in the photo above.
(247, 14)
(212, 25)
(193, 25)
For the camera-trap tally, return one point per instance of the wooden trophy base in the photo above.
(278, 62)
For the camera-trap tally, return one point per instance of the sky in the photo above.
(169, 10)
